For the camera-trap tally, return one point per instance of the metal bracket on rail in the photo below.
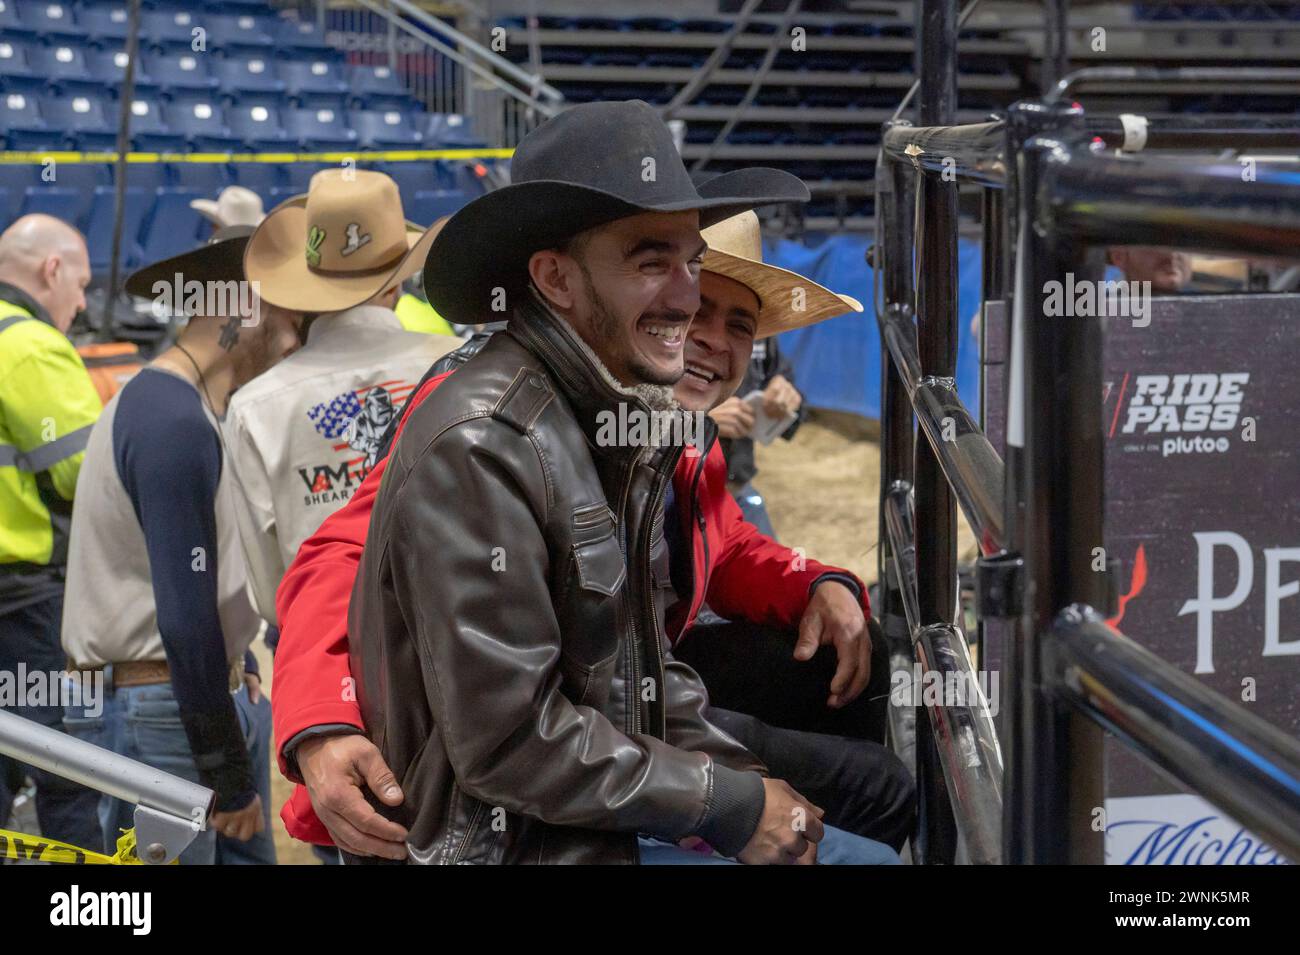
(999, 586)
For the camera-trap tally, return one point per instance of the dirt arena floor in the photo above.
(822, 492)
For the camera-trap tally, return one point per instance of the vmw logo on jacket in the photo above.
(353, 421)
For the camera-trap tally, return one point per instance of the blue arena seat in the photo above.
(10, 22)
(427, 206)
(15, 71)
(85, 120)
(318, 129)
(261, 177)
(64, 66)
(99, 226)
(375, 87)
(14, 180)
(412, 177)
(172, 227)
(300, 173)
(181, 71)
(162, 27)
(450, 131)
(108, 68)
(102, 24)
(384, 128)
(244, 34)
(255, 74)
(150, 176)
(23, 123)
(207, 178)
(258, 126)
(49, 19)
(58, 201)
(302, 37)
(202, 124)
(149, 129)
(81, 176)
(310, 77)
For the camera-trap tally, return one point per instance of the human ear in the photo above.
(550, 273)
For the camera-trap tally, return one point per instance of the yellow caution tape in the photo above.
(19, 845)
(388, 155)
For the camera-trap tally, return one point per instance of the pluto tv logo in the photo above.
(1192, 411)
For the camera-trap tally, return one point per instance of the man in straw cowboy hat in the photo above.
(524, 677)
(303, 435)
(862, 786)
(156, 596)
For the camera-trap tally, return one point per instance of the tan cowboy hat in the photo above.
(339, 245)
(736, 252)
(235, 205)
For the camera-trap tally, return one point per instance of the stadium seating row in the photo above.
(89, 122)
(161, 28)
(68, 67)
(158, 220)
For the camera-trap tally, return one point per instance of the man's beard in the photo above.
(607, 328)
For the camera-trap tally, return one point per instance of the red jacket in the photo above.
(742, 573)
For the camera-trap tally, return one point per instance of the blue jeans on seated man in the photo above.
(836, 848)
(143, 723)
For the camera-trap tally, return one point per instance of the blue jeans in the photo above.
(836, 848)
(65, 810)
(143, 723)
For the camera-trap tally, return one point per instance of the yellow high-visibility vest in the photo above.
(417, 315)
(47, 407)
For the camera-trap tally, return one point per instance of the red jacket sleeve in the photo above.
(754, 577)
(313, 684)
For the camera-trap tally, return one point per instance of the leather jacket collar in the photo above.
(588, 386)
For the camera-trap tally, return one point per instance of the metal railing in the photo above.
(169, 811)
(1051, 197)
(446, 69)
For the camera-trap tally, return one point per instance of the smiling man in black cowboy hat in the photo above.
(510, 651)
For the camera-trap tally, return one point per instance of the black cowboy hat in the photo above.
(590, 165)
(220, 259)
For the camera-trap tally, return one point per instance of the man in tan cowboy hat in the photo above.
(304, 435)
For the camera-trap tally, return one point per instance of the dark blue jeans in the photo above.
(64, 809)
(755, 511)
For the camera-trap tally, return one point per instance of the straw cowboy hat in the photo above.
(235, 205)
(590, 165)
(336, 247)
(786, 299)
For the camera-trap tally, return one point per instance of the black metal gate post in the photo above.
(936, 310)
(1056, 420)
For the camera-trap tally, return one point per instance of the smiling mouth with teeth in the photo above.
(671, 334)
(702, 373)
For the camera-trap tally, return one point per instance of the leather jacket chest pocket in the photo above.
(588, 608)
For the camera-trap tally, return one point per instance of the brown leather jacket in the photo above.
(508, 629)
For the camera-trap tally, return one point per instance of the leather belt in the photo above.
(134, 672)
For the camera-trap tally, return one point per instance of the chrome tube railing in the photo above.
(1246, 767)
(961, 720)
